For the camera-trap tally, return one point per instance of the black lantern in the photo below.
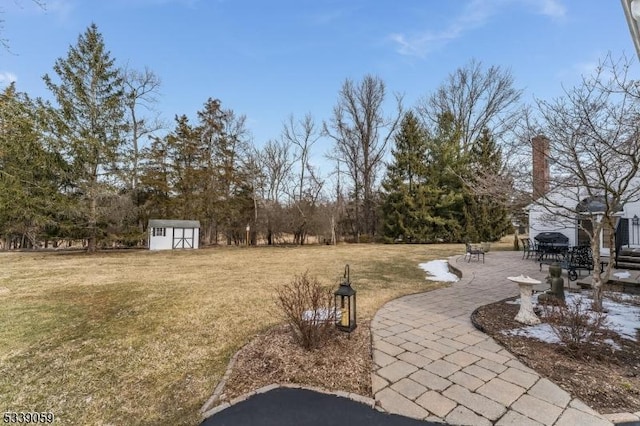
(635, 221)
(345, 303)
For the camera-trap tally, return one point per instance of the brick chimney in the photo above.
(541, 174)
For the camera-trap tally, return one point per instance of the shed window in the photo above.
(159, 232)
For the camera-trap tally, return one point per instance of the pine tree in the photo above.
(31, 174)
(198, 172)
(229, 194)
(446, 160)
(155, 182)
(89, 121)
(407, 212)
(174, 174)
(185, 155)
(489, 215)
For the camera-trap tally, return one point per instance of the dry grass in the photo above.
(143, 338)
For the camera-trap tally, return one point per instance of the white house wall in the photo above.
(631, 209)
(541, 218)
(541, 221)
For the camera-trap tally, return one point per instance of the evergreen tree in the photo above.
(185, 155)
(155, 183)
(31, 174)
(408, 208)
(404, 175)
(229, 191)
(488, 215)
(88, 122)
(446, 161)
(199, 172)
(409, 153)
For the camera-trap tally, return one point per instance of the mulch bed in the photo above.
(343, 363)
(607, 380)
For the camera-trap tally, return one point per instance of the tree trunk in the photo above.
(91, 246)
(357, 213)
(333, 230)
(596, 279)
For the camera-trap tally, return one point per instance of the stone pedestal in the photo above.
(526, 314)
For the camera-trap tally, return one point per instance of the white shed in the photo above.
(173, 234)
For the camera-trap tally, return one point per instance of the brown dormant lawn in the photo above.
(143, 337)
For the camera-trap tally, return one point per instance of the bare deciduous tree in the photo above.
(594, 137)
(141, 91)
(478, 99)
(276, 162)
(5, 42)
(361, 133)
(303, 134)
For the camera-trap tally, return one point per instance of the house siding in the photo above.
(541, 220)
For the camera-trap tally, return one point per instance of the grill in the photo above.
(552, 238)
(552, 246)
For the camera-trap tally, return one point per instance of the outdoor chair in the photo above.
(526, 247)
(529, 248)
(579, 258)
(474, 251)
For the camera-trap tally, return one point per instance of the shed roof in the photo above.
(171, 223)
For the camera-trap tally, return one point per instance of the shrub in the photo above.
(307, 307)
(619, 297)
(575, 324)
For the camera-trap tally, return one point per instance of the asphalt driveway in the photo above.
(300, 407)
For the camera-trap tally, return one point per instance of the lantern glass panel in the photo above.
(345, 306)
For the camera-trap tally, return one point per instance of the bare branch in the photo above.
(594, 139)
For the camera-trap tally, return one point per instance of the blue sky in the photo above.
(270, 59)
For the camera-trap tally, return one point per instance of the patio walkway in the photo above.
(431, 363)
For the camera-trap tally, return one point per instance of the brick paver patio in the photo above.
(431, 363)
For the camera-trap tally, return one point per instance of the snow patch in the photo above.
(542, 332)
(321, 315)
(622, 275)
(622, 318)
(438, 270)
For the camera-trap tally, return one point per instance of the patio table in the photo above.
(552, 251)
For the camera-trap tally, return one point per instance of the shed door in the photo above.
(183, 238)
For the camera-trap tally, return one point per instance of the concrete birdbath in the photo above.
(526, 314)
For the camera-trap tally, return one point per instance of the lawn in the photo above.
(143, 337)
